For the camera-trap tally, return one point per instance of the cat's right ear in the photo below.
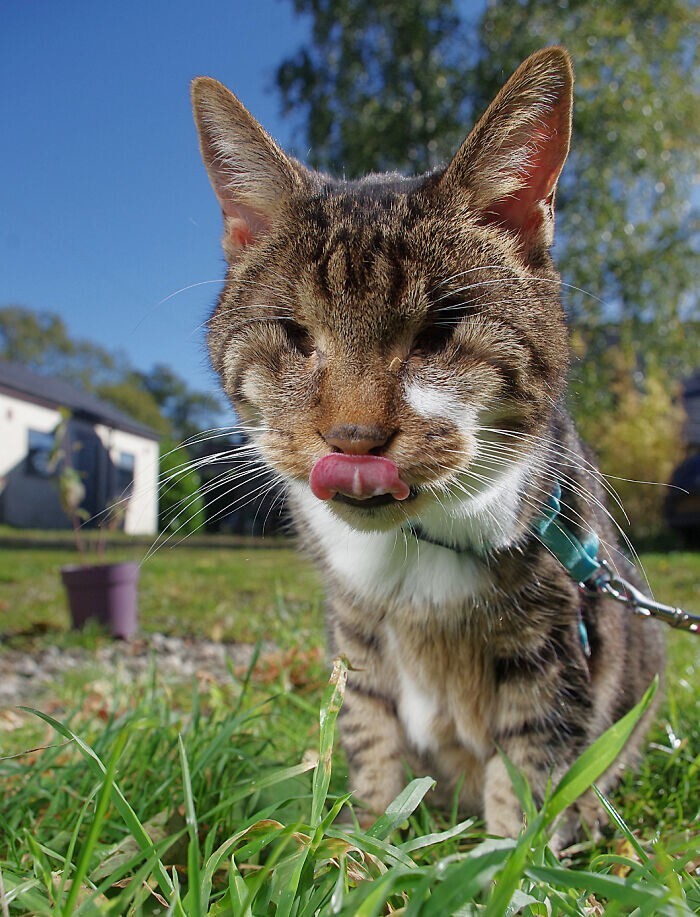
(249, 173)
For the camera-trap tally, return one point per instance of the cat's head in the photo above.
(415, 320)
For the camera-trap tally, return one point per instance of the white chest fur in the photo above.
(393, 566)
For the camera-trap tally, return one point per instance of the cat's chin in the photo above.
(377, 514)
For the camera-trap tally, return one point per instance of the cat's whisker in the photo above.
(471, 270)
(226, 509)
(228, 476)
(587, 497)
(515, 278)
(257, 495)
(543, 467)
(190, 286)
(277, 500)
(249, 496)
(579, 461)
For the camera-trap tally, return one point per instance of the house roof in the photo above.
(52, 391)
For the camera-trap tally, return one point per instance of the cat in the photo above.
(398, 349)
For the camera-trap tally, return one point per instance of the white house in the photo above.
(115, 455)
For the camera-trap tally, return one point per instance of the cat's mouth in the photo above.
(371, 502)
(364, 481)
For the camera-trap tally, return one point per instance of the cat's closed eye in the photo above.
(299, 338)
(433, 339)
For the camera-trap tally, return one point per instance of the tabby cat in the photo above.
(398, 350)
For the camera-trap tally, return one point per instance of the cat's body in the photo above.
(398, 350)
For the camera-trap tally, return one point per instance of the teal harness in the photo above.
(578, 557)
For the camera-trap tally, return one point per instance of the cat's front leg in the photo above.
(370, 732)
(372, 740)
(541, 726)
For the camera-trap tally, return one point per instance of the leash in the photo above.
(579, 557)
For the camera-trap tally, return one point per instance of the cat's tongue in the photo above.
(358, 476)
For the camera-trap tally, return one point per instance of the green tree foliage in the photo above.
(188, 411)
(637, 440)
(181, 504)
(380, 86)
(41, 342)
(128, 395)
(628, 230)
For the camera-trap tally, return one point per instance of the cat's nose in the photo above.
(355, 439)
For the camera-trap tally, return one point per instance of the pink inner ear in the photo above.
(521, 210)
(243, 225)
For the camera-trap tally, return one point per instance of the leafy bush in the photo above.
(636, 431)
(181, 504)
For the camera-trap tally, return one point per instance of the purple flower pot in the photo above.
(105, 593)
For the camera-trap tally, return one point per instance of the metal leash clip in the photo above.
(606, 581)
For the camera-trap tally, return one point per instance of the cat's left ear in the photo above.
(250, 174)
(510, 163)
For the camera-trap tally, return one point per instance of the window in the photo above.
(124, 466)
(39, 449)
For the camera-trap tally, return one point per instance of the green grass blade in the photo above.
(125, 810)
(510, 877)
(369, 898)
(330, 707)
(68, 860)
(254, 786)
(467, 877)
(238, 893)
(26, 892)
(193, 900)
(103, 800)
(287, 879)
(399, 810)
(596, 759)
(621, 825)
(41, 864)
(123, 869)
(438, 837)
(615, 889)
(375, 846)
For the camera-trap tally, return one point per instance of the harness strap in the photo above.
(578, 557)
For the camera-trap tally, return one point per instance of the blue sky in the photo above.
(105, 208)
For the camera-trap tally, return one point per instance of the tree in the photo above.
(381, 85)
(628, 227)
(41, 342)
(128, 395)
(188, 411)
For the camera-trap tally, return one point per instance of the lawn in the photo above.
(154, 797)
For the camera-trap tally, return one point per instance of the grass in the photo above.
(226, 798)
(220, 593)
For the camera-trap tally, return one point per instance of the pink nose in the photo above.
(354, 439)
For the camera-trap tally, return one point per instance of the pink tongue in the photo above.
(358, 476)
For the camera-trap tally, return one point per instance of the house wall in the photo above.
(25, 499)
(31, 501)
